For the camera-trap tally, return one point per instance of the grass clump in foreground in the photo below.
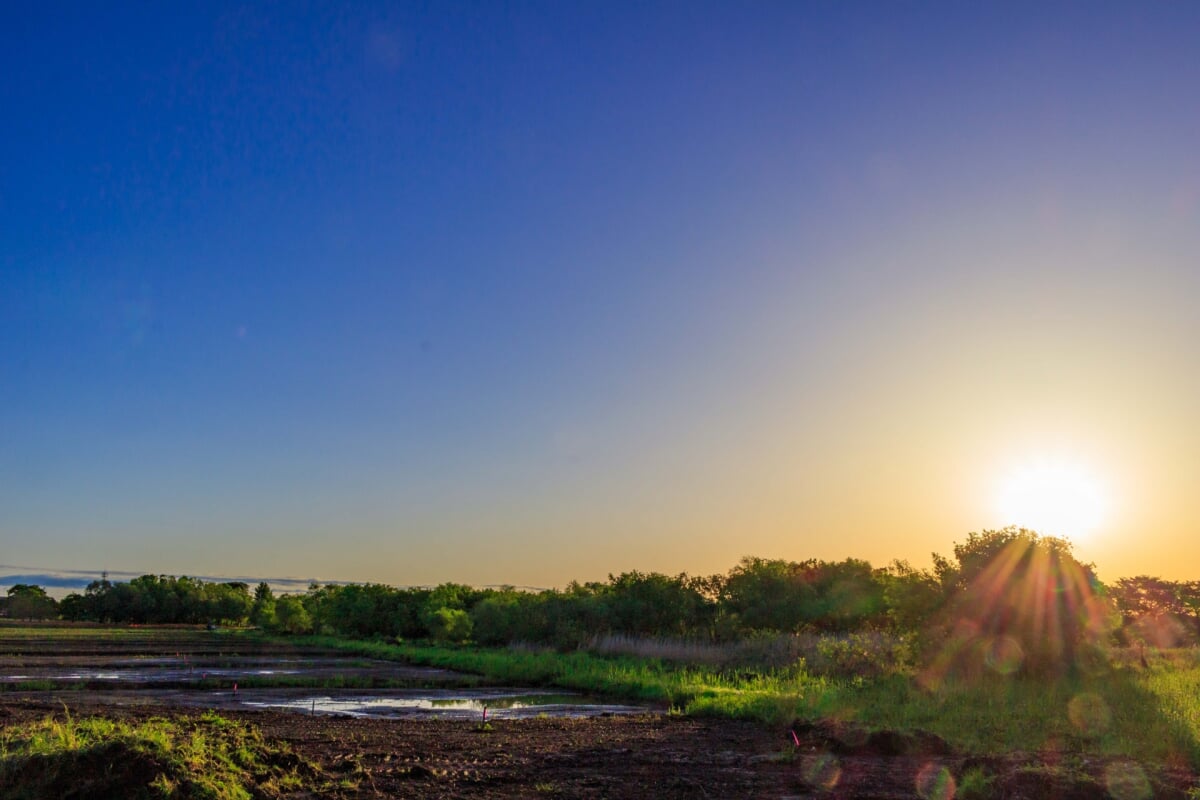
(1150, 715)
(205, 757)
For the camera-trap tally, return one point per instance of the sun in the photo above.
(1055, 498)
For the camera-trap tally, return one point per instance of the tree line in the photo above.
(1008, 586)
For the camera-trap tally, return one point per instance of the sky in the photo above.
(525, 293)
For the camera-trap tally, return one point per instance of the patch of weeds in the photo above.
(34, 686)
(975, 784)
(215, 720)
(189, 758)
(784, 756)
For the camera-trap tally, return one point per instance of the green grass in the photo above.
(1112, 714)
(646, 680)
(204, 757)
(30, 686)
(329, 682)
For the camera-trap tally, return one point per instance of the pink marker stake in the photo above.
(235, 688)
(795, 738)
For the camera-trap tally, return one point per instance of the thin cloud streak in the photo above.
(77, 579)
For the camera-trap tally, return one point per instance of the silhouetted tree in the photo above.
(26, 601)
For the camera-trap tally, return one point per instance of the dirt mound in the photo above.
(1118, 779)
(119, 770)
(100, 773)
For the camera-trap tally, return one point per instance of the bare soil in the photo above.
(652, 756)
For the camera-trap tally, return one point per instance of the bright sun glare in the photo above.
(1053, 498)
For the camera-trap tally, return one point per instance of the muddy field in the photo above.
(649, 756)
(87, 658)
(643, 755)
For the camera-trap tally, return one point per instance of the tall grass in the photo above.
(647, 680)
(1175, 688)
(834, 654)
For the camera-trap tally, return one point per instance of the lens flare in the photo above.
(1030, 608)
(934, 782)
(821, 770)
(1127, 781)
(1089, 713)
(1003, 655)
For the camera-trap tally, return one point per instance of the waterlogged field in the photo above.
(224, 669)
(337, 718)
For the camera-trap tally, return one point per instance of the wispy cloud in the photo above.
(61, 582)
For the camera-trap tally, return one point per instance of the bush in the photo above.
(291, 616)
(865, 654)
(450, 625)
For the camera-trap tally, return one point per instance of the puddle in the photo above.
(144, 676)
(500, 704)
(167, 670)
(464, 704)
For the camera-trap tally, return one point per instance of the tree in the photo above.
(653, 604)
(262, 612)
(1019, 601)
(788, 596)
(912, 596)
(227, 602)
(450, 625)
(26, 601)
(291, 616)
(497, 619)
(1156, 611)
(766, 595)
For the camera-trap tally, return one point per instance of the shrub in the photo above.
(450, 625)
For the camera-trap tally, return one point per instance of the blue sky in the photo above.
(532, 292)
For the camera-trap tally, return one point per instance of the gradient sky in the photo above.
(526, 293)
